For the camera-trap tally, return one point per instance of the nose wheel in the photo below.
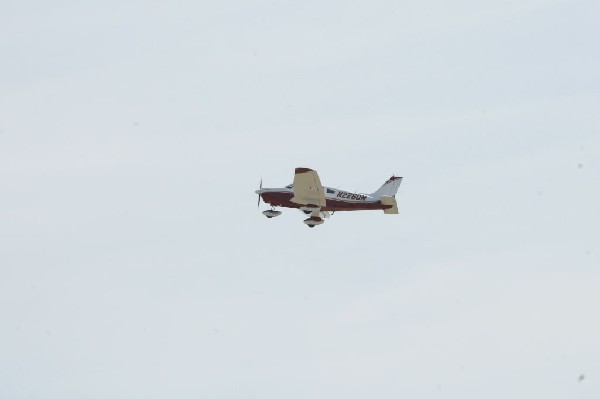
(271, 213)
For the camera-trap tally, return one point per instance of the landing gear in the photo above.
(310, 208)
(313, 221)
(271, 213)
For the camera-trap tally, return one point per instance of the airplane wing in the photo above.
(307, 188)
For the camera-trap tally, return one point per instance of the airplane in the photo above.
(307, 194)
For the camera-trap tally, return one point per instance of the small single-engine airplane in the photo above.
(307, 194)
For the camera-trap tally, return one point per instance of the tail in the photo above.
(389, 188)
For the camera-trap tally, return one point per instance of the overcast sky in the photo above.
(135, 264)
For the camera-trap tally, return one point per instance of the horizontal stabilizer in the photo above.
(390, 205)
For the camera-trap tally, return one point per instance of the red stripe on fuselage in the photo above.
(278, 198)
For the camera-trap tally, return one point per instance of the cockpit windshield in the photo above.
(290, 186)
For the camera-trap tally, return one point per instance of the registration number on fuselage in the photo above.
(356, 197)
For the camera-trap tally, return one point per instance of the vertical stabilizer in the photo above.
(389, 188)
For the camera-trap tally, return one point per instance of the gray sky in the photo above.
(133, 260)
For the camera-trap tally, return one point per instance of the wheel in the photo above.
(311, 225)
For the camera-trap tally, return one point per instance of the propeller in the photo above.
(259, 188)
